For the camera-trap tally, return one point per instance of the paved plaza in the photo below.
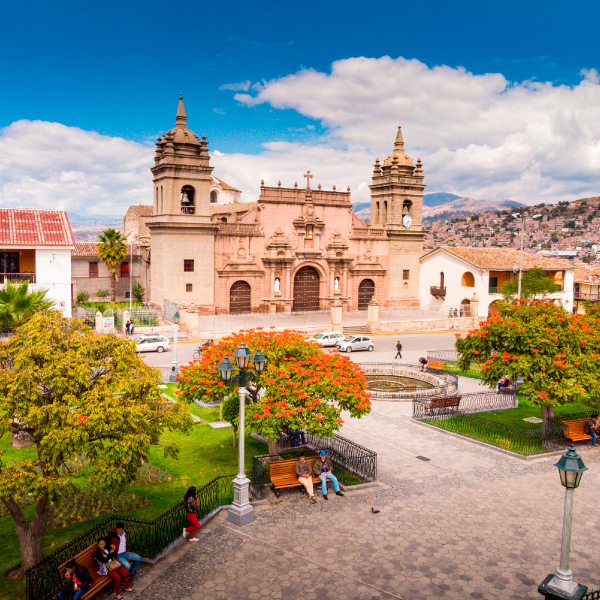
(470, 522)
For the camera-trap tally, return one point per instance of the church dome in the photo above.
(398, 153)
(181, 134)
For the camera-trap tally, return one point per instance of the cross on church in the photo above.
(308, 178)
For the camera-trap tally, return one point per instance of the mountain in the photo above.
(465, 206)
(438, 198)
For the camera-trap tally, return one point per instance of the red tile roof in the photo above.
(142, 210)
(91, 249)
(233, 208)
(223, 185)
(35, 227)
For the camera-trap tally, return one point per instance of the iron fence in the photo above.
(348, 458)
(448, 355)
(149, 539)
(145, 316)
(170, 308)
(427, 408)
(593, 595)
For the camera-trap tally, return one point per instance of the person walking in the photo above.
(190, 503)
(398, 350)
(128, 327)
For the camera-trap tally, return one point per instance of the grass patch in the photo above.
(452, 367)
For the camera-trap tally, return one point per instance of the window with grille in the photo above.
(124, 269)
(93, 272)
(188, 266)
(405, 274)
(188, 287)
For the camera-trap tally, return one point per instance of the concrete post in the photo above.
(474, 306)
(125, 319)
(336, 316)
(98, 322)
(373, 313)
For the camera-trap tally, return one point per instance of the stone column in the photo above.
(336, 315)
(272, 290)
(474, 306)
(288, 282)
(125, 319)
(373, 313)
(98, 322)
(331, 280)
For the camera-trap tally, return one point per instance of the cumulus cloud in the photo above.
(49, 165)
(478, 135)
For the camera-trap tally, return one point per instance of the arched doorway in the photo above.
(493, 308)
(465, 308)
(306, 289)
(366, 291)
(239, 298)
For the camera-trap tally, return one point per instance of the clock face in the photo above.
(407, 220)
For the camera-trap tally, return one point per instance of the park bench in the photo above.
(435, 404)
(438, 365)
(508, 390)
(86, 559)
(575, 430)
(283, 474)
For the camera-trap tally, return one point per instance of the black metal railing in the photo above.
(592, 595)
(149, 539)
(349, 459)
(425, 407)
(448, 355)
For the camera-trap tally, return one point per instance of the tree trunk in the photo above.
(272, 447)
(548, 416)
(234, 436)
(31, 535)
(113, 276)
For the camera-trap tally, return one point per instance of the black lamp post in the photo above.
(174, 362)
(241, 511)
(561, 584)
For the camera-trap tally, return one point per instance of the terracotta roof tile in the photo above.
(223, 185)
(143, 210)
(35, 227)
(231, 208)
(588, 275)
(504, 259)
(91, 249)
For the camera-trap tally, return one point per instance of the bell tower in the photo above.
(397, 207)
(182, 261)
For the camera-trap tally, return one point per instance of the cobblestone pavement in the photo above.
(469, 523)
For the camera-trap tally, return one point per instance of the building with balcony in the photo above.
(35, 246)
(454, 279)
(586, 288)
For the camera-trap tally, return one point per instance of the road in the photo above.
(414, 345)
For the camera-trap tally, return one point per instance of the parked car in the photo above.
(327, 338)
(355, 342)
(148, 343)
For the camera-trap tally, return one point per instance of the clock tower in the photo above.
(397, 207)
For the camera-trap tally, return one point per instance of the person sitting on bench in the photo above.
(297, 434)
(78, 579)
(304, 475)
(592, 427)
(104, 558)
(130, 560)
(504, 382)
(323, 470)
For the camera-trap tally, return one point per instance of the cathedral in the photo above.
(295, 249)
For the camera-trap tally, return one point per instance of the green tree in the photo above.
(534, 284)
(301, 385)
(76, 394)
(557, 353)
(139, 292)
(112, 251)
(18, 304)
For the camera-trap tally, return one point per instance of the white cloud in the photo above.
(244, 86)
(49, 165)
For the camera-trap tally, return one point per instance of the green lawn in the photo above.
(452, 367)
(204, 454)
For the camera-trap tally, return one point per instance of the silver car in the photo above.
(149, 343)
(356, 342)
(328, 338)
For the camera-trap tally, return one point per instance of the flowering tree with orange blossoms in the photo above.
(557, 353)
(301, 386)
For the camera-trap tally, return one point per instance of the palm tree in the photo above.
(18, 304)
(112, 249)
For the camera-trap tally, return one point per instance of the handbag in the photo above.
(113, 565)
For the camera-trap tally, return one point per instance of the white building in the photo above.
(35, 246)
(453, 278)
(223, 193)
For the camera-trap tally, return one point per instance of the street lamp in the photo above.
(561, 585)
(174, 363)
(241, 511)
(520, 217)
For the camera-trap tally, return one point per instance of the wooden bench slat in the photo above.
(86, 559)
(283, 472)
(575, 430)
(436, 364)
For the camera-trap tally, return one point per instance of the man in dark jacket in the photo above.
(130, 560)
(592, 427)
(304, 475)
(323, 470)
(398, 350)
(78, 580)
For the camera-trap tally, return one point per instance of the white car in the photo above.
(355, 342)
(148, 343)
(327, 338)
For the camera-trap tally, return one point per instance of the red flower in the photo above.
(535, 350)
(543, 394)
(476, 352)
(82, 419)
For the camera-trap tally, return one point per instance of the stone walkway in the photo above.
(469, 523)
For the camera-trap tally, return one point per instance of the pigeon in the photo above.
(374, 511)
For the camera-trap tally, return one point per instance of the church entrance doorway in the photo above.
(239, 298)
(366, 291)
(306, 289)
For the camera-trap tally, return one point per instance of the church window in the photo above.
(375, 216)
(93, 269)
(384, 213)
(214, 196)
(189, 287)
(405, 274)
(309, 232)
(124, 269)
(188, 266)
(187, 200)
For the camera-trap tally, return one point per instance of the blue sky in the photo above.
(116, 68)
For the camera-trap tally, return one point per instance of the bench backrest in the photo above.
(286, 467)
(85, 559)
(575, 426)
(445, 402)
(436, 364)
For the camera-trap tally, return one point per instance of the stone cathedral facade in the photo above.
(297, 248)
